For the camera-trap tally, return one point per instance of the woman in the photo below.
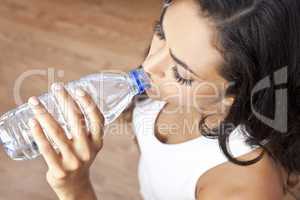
(209, 132)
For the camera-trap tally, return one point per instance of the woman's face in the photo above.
(183, 60)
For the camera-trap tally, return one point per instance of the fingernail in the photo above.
(33, 101)
(32, 123)
(79, 92)
(57, 86)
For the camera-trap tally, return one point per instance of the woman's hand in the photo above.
(68, 170)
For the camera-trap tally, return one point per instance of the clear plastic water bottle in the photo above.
(112, 92)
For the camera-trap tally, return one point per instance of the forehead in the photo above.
(191, 37)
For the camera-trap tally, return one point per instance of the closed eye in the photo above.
(180, 79)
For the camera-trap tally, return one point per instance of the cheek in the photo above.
(171, 91)
(199, 95)
(164, 89)
(206, 95)
(168, 89)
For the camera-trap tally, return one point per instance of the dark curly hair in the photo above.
(258, 39)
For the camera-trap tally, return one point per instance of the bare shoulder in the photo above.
(261, 181)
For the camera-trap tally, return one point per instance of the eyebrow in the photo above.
(183, 64)
(176, 59)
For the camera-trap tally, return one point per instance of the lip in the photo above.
(152, 89)
(149, 75)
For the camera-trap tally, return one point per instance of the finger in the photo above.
(71, 111)
(95, 118)
(51, 127)
(49, 154)
(75, 118)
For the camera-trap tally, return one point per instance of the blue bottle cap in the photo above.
(141, 79)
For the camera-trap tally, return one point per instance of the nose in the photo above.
(157, 64)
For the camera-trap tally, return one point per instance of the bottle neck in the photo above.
(139, 80)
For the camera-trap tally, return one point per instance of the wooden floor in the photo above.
(66, 39)
(42, 41)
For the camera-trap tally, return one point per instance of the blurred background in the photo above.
(62, 40)
(67, 39)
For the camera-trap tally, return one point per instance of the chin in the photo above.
(153, 95)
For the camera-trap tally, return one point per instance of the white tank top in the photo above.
(171, 171)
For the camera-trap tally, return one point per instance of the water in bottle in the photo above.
(112, 92)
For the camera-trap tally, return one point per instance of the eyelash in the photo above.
(158, 30)
(180, 79)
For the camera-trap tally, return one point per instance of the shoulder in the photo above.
(261, 181)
